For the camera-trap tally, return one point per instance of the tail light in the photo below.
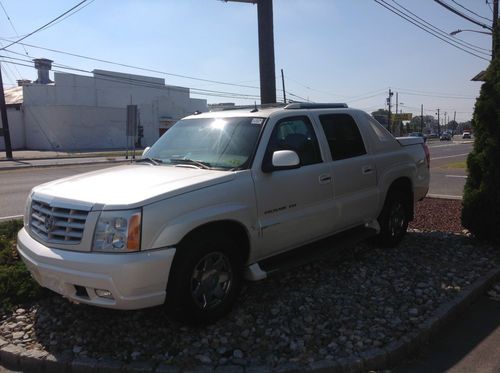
(427, 154)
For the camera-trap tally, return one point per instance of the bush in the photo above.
(16, 285)
(481, 202)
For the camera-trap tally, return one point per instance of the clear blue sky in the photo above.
(331, 50)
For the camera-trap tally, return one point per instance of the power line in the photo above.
(409, 19)
(445, 33)
(470, 19)
(135, 67)
(12, 24)
(470, 11)
(139, 82)
(44, 26)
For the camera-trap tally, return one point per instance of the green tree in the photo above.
(481, 202)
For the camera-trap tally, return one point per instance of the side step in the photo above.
(311, 252)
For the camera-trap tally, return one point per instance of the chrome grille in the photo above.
(56, 224)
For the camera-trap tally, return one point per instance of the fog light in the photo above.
(104, 293)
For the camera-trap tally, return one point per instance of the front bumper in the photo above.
(135, 280)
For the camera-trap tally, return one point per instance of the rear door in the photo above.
(353, 171)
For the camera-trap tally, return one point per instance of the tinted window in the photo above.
(295, 134)
(343, 136)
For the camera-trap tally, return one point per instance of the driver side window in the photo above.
(297, 134)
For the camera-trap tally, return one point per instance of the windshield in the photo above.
(220, 143)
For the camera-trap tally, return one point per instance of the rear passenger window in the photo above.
(342, 133)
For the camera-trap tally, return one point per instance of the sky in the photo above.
(350, 51)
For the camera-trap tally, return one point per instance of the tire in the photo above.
(393, 219)
(205, 280)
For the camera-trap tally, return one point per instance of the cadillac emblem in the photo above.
(49, 223)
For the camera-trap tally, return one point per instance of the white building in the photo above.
(78, 112)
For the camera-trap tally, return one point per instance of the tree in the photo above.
(481, 201)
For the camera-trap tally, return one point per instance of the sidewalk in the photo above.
(42, 158)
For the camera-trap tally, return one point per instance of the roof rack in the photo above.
(240, 107)
(312, 105)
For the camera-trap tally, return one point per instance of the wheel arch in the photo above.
(404, 185)
(231, 228)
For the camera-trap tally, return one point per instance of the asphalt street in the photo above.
(16, 184)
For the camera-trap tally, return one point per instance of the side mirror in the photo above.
(145, 151)
(282, 160)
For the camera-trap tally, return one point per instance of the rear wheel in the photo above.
(205, 279)
(393, 219)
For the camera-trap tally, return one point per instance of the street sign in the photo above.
(402, 116)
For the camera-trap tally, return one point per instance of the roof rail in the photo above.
(313, 105)
(240, 107)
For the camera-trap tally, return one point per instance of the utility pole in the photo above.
(5, 122)
(422, 118)
(439, 124)
(266, 49)
(495, 33)
(283, 83)
(396, 121)
(389, 105)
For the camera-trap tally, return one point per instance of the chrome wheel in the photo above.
(211, 280)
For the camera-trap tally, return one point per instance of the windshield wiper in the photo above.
(155, 161)
(199, 164)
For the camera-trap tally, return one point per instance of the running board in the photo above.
(311, 252)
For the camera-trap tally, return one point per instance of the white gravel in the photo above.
(339, 307)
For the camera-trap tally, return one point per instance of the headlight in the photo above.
(118, 231)
(27, 210)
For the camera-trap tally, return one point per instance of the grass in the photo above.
(16, 285)
(460, 165)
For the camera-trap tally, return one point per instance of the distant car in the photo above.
(466, 135)
(445, 136)
(418, 134)
(432, 135)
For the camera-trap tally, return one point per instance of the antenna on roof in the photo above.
(255, 109)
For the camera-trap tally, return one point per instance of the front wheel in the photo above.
(205, 280)
(393, 220)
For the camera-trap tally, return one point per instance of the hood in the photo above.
(131, 185)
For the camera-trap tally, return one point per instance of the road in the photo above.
(446, 178)
(15, 185)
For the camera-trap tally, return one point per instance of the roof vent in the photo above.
(43, 65)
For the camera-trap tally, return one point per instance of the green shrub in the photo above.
(481, 201)
(16, 285)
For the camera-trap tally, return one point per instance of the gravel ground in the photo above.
(334, 308)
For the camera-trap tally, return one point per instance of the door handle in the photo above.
(325, 179)
(367, 170)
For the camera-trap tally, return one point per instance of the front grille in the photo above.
(56, 224)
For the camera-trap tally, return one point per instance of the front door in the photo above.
(294, 206)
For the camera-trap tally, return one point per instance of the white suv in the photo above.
(214, 199)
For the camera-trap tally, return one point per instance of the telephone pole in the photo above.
(266, 49)
(422, 118)
(4, 131)
(389, 105)
(283, 83)
(495, 32)
(439, 124)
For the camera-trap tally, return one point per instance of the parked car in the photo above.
(466, 135)
(418, 134)
(445, 136)
(432, 135)
(218, 198)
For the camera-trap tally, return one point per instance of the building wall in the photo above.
(16, 129)
(82, 113)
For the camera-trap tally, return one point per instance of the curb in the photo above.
(14, 357)
(80, 162)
